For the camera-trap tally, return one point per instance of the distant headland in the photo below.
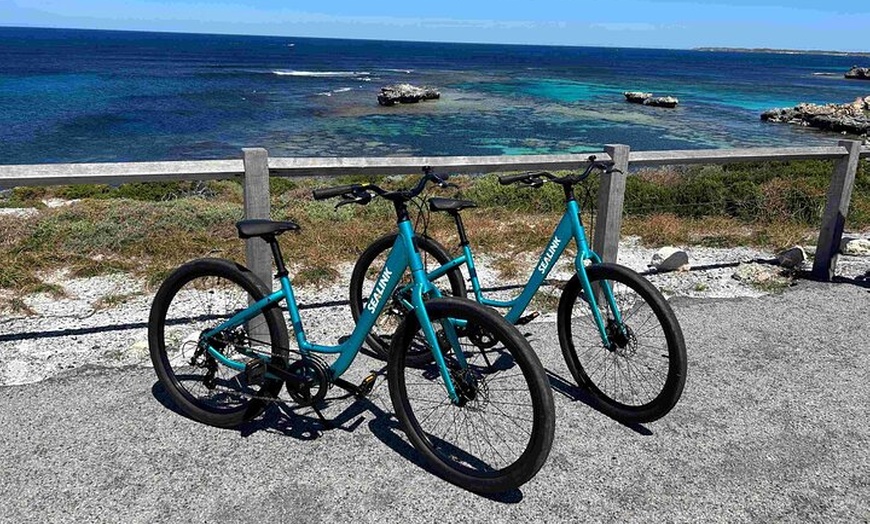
(782, 51)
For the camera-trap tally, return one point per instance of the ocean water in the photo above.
(97, 96)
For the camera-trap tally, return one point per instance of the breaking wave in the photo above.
(321, 74)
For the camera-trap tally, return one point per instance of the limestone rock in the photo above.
(852, 118)
(636, 97)
(792, 258)
(406, 94)
(855, 246)
(858, 73)
(755, 274)
(661, 101)
(670, 259)
(647, 99)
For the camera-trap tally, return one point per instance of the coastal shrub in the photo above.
(362, 179)
(24, 197)
(280, 185)
(80, 191)
(487, 192)
(760, 191)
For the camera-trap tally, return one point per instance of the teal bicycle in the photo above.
(481, 415)
(619, 336)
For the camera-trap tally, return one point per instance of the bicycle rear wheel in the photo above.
(195, 298)
(500, 434)
(641, 376)
(362, 281)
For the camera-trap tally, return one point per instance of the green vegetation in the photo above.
(148, 229)
(111, 301)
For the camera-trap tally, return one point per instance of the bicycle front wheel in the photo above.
(499, 434)
(641, 375)
(195, 298)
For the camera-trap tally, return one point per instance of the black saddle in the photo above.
(263, 228)
(450, 205)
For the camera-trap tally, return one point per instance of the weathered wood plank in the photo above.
(724, 156)
(257, 206)
(118, 172)
(296, 167)
(836, 210)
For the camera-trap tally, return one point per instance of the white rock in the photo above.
(855, 246)
(138, 350)
(792, 258)
(58, 202)
(20, 212)
(670, 259)
(752, 273)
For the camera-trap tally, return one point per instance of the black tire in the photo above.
(362, 281)
(462, 445)
(641, 377)
(198, 296)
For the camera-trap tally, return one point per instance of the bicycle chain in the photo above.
(237, 393)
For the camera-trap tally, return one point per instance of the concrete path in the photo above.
(772, 426)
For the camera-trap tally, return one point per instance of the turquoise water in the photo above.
(78, 96)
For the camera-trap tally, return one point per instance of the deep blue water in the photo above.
(92, 96)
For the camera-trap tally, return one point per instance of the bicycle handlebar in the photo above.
(353, 193)
(535, 179)
(331, 192)
(510, 179)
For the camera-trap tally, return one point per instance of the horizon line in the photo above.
(702, 48)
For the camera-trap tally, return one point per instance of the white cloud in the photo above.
(624, 26)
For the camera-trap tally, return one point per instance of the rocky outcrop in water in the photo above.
(858, 73)
(647, 99)
(406, 94)
(853, 118)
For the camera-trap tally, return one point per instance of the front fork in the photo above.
(606, 293)
(417, 292)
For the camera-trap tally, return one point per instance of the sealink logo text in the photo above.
(551, 250)
(378, 294)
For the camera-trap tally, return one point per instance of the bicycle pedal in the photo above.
(366, 386)
(255, 371)
(528, 318)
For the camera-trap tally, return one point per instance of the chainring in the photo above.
(316, 375)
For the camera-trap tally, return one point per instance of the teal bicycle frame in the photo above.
(402, 256)
(569, 227)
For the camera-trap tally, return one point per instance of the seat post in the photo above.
(276, 254)
(463, 240)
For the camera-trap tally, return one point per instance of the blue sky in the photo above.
(797, 24)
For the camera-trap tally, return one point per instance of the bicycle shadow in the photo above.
(302, 423)
(574, 393)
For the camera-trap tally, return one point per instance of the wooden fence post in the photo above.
(611, 195)
(256, 194)
(836, 209)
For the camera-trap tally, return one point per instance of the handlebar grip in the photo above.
(510, 179)
(331, 192)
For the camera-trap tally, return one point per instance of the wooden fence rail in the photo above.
(256, 167)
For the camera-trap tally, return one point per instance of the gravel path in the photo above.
(772, 427)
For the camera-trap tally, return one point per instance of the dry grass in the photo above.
(668, 229)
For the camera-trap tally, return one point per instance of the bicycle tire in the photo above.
(604, 372)
(198, 296)
(379, 342)
(523, 417)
